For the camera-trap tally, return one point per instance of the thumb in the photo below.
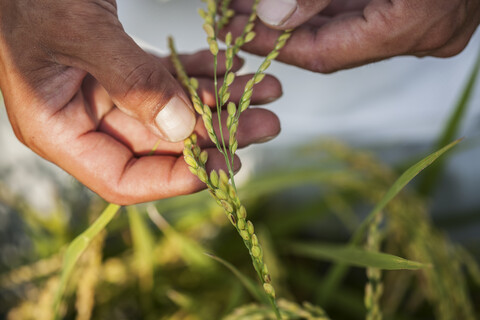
(287, 14)
(140, 86)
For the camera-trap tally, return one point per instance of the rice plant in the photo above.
(151, 264)
(222, 186)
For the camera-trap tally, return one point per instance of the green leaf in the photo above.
(451, 129)
(254, 290)
(143, 246)
(339, 270)
(275, 182)
(399, 184)
(354, 256)
(190, 250)
(77, 247)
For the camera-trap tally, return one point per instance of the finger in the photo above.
(462, 37)
(156, 177)
(137, 82)
(304, 48)
(97, 98)
(384, 29)
(112, 171)
(201, 64)
(109, 167)
(242, 6)
(266, 91)
(70, 139)
(255, 126)
(337, 7)
(287, 14)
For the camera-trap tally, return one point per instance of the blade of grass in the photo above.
(397, 186)
(143, 244)
(80, 244)
(339, 270)
(353, 256)
(251, 287)
(190, 250)
(77, 247)
(275, 182)
(451, 130)
(235, 297)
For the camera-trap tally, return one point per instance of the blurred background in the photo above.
(302, 185)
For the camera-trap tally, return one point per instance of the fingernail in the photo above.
(176, 120)
(271, 99)
(266, 139)
(276, 12)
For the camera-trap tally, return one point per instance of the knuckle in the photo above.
(443, 26)
(319, 60)
(325, 61)
(437, 36)
(118, 196)
(26, 134)
(451, 50)
(119, 199)
(30, 128)
(32, 141)
(142, 85)
(138, 78)
(321, 67)
(20, 135)
(431, 44)
(424, 30)
(98, 11)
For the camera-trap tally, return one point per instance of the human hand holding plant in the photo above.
(80, 93)
(337, 34)
(92, 102)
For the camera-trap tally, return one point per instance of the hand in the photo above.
(80, 93)
(337, 34)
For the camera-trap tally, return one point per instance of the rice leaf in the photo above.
(77, 247)
(274, 182)
(398, 185)
(339, 270)
(189, 250)
(143, 244)
(451, 129)
(354, 256)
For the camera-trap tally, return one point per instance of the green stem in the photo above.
(223, 150)
(77, 247)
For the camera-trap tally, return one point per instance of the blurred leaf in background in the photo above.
(145, 272)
